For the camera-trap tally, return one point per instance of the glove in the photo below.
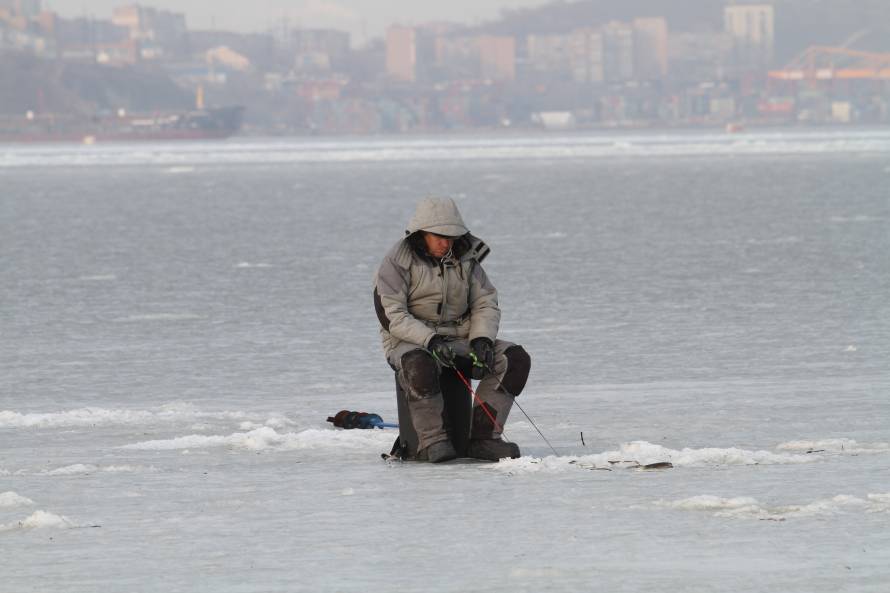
(484, 351)
(439, 348)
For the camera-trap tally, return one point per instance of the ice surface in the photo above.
(159, 317)
(689, 298)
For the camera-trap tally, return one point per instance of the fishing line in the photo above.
(479, 363)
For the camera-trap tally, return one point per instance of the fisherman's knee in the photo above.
(419, 374)
(519, 364)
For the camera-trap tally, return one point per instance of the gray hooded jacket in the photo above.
(417, 296)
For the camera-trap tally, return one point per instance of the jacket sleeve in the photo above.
(485, 315)
(391, 302)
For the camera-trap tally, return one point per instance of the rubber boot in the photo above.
(437, 452)
(485, 436)
(433, 443)
(493, 449)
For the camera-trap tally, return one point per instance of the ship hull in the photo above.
(209, 124)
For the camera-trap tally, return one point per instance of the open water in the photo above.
(178, 320)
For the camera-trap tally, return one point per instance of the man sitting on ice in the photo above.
(435, 303)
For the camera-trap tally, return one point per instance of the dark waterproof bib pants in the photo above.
(419, 373)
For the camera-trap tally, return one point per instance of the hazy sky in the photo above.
(355, 16)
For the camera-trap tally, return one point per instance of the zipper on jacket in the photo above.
(444, 291)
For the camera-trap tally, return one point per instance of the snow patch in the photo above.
(71, 470)
(834, 446)
(91, 416)
(856, 218)
(39, 520)
(279, 422)
(775, 241)
(273, 422)
(707, 502)
(640, 453)
(11, 499)
(86, 468)
(267, 438)
(120, 469)
(747, 507)
(879, 503)
(247, 265)
(644, 453)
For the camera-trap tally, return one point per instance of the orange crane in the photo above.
(835, 63)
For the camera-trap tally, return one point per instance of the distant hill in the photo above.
(562, 16)
(799, 23)
(30, 83)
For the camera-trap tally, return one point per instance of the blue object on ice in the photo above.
(348, 420)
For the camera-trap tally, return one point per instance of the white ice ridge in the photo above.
(835, 446)
(267, 438)
(87, 417)
(11, 499)
(747, 507)
(639, 453)
(39, 520)
(86, 468)
(180, 158)
(245, 264)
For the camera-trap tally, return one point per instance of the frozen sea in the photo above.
(178, 320)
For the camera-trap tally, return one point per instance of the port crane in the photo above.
(835, 63)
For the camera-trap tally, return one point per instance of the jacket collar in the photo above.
(466, 247)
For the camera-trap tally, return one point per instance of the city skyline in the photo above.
(351, 16)
(565, 65)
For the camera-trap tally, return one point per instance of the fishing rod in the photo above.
(478, 363)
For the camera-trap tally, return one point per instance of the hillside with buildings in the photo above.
(31, 83)
(798, 23)
(588, 63)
